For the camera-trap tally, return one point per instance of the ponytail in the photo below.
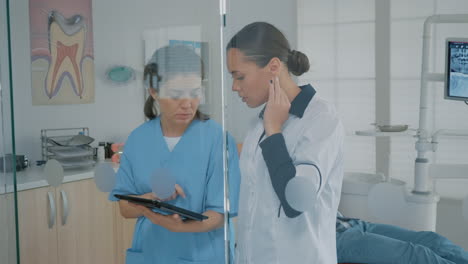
(150, 110)
(298, 63)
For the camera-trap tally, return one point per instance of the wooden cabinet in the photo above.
(87, 234)
(73, 223)
(7, 228)
(124, 233)
(38, 241)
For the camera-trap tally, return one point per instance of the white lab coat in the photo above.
(263, 237)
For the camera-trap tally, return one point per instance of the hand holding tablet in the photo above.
(152, 204)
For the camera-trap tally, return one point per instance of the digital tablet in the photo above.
(152, 204)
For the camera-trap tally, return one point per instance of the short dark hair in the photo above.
(166, 63)
(261, 41)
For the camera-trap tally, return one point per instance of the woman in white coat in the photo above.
(292, 159)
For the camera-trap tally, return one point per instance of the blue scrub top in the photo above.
(197, 164)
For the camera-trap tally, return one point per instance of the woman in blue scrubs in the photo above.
(183, 141)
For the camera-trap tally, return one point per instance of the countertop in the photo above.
(34, 177)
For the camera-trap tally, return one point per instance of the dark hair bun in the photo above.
(298, 63)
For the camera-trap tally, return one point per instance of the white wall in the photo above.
(338, 37)
(118, 26)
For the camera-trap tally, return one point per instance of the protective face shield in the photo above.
(175, 72)
(187, 86)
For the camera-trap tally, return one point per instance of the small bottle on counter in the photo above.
(101, 152)
(108, 149)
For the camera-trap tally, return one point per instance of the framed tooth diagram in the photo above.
(62, 56)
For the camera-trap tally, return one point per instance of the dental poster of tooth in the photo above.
(62, 57)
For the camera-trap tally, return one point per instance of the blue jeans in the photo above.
(372, 243)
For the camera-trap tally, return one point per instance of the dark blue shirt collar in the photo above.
(300, 102)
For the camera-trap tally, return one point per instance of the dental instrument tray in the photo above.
(71, 152)
(392, 128)
(156, 204)
(69, 146)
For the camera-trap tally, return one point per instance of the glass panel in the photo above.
(129, 93)
(8, 240)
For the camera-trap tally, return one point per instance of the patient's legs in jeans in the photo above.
(370, 243)
(437, 243)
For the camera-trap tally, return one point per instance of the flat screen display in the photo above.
(456, 82)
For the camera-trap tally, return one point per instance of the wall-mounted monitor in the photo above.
(456, 72)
